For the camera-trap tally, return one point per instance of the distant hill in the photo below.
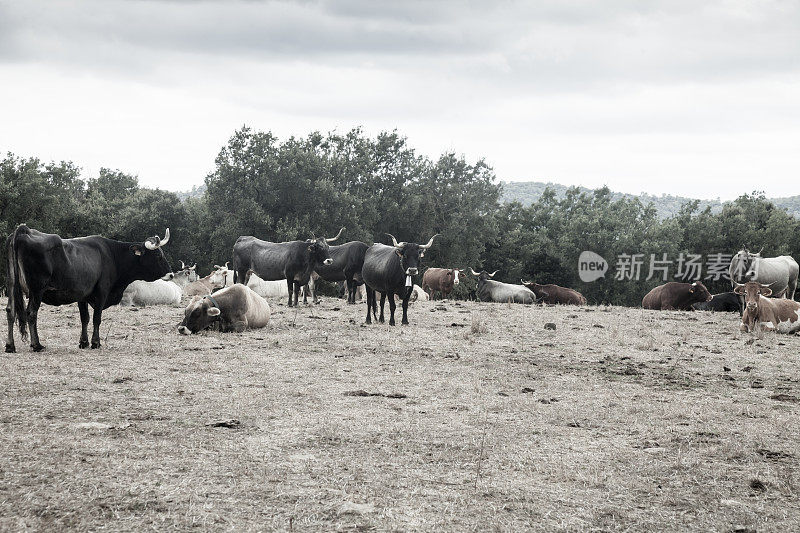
(527, 192)
(196, 192)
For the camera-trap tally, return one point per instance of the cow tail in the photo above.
(13, 285)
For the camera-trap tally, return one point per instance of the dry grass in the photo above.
(620, 419)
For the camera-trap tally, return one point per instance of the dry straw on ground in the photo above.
(473, 418)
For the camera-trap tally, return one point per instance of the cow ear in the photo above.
(422, 254)
(766, 291)
(398, 252)
(136, 249)
(213, 311)
(691, 290)
(739, 289)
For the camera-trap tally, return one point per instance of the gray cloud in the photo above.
(546, 46)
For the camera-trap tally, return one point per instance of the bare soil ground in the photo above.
(473, 418)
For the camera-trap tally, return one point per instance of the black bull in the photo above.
(88, 270)
(388, 270)
(348, 260)
(293, 261)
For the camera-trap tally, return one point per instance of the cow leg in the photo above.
(83, 308)
(296, 292)
(10, 348)
(290, 283)
(96, 318)
(383, 302)
(392, 307)
(405, 312)
(33, 315)
(370, 296)
(351, 291)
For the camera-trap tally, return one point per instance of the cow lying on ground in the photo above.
(676, 296)
(489, 290)
(202, 286)
(440, 279)
(185, 275)
(721, 303)
(773, 314)
(235, 308)
(266, 289)
(159, 292)
(554, 294)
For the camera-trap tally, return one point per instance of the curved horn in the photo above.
(430, 242)
(493, 273)
(193, 266)
(474, 273)
(150, 246)
(523, 282)
(337, 235)
(395, 243)
(226, 265)
(183, 267)
(165, 240)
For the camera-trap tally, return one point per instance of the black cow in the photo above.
(348, 260)
(722, 302)
(89, 270)
(388, 269)
(293, 261)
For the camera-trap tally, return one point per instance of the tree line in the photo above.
(289, 189)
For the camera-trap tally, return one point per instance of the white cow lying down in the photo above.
(267, 289)
(158, 292)
(234, 308)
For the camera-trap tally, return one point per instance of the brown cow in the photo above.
(554, 294)
(676, 296)
(235, 308)
(773, 314)
(440, 279)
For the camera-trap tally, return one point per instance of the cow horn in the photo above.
(337, 235)
(183, 267)
(473, 272)
(165, 240)
(396, 244)
(226, 265)
(430, 242)
(193, 266)
(493, 273)
(159, 243)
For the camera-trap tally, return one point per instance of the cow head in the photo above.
(699, 293)
(454, 273)
(150, 260)
(752, 291)
(319, 250)
(199, 315)
(221, 277)
(188, 274)
(483, 275)
(410, 254)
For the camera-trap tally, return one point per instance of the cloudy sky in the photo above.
(693, 98)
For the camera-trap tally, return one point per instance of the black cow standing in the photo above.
(88, 270)
(388, 270)
(347, 262)
(293, 261)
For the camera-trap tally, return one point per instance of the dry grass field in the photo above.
(473, 418)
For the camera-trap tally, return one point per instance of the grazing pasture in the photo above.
(475, 417)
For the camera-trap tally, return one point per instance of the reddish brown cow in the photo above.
(773, 314)
(676, 296)
(440, 279)
(554, 294)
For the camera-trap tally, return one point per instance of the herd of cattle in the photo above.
(99, 272)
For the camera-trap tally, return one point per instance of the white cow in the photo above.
(267, 289)
(143, 293)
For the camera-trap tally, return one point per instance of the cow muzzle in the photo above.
(328, 261)
(411, 272)
(183, 330)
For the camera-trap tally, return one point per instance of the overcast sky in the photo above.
(699, 99)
